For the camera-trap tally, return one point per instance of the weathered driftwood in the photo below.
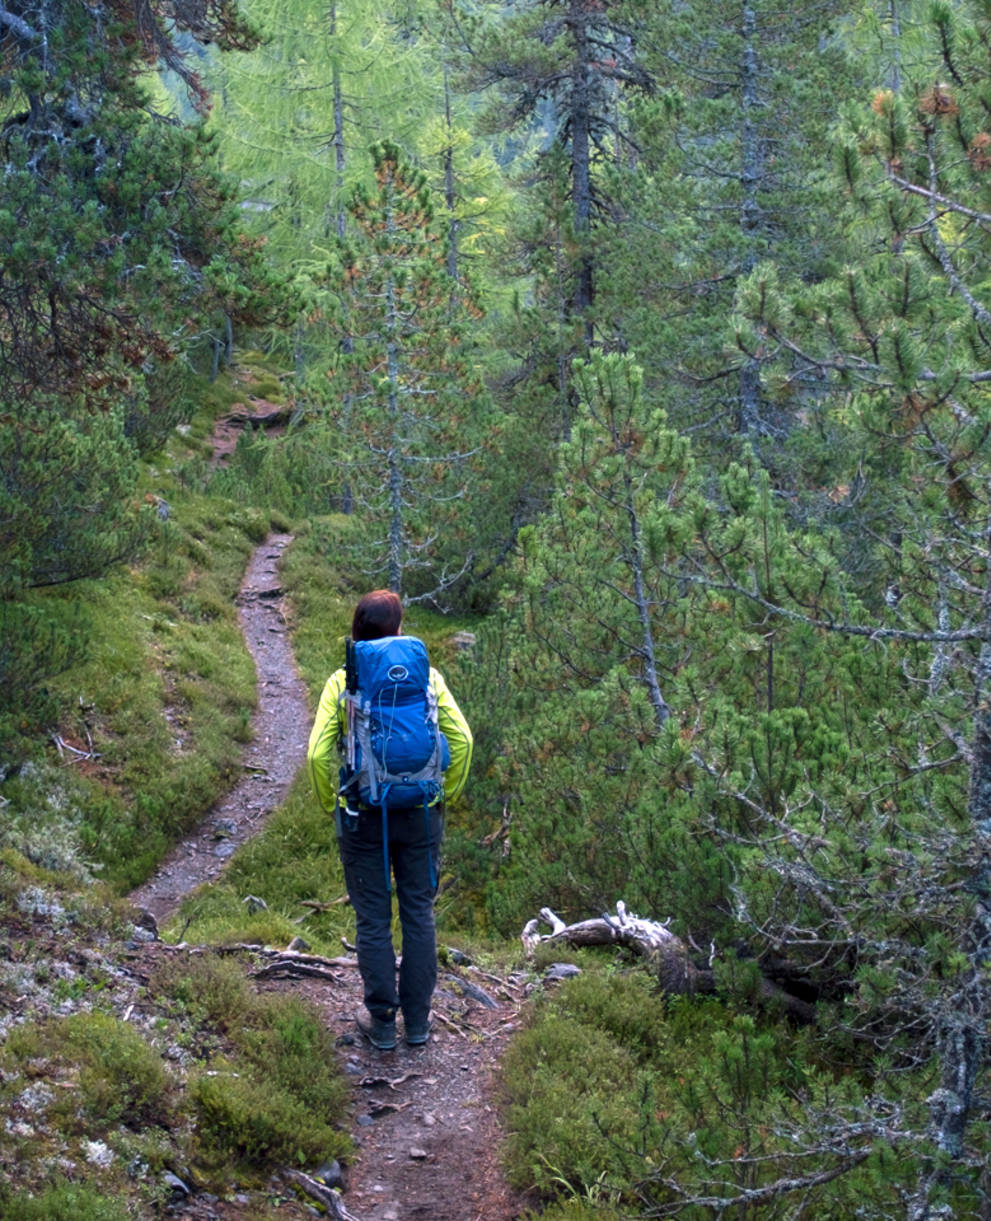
(328, 1197)
(287, 962)
(666, 953)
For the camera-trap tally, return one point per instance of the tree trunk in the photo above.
(748, 410)
(963, 1037)
(581, 163)
(450, 196)
(648, 653)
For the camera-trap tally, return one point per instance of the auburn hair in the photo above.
(378, 614)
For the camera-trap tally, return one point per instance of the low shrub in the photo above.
(62, 1202)
(618, 1098)
(119, 1078)
(258, 1124)
(277, 1093)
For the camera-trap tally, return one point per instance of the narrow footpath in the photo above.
(424, 1120)
(278, 749)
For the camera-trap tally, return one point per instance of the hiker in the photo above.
(380, 835)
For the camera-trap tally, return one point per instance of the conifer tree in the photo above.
(904, 334)
(403, 401)
(804, 797)
(731, 170)
(558, 74)
(119, 244)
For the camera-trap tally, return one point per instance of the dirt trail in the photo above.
(424, 1119)
(279, 728)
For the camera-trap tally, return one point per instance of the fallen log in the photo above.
(261, 419)
(665, 953)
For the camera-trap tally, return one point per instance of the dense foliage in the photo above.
(656, 336)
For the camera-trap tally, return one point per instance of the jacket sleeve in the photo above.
(455, 728)
(321, 755)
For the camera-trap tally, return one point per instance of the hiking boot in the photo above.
(417, 1035)
(379, 1033)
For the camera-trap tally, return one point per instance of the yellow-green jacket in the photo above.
(329, 728)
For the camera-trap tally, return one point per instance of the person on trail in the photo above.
(378, 842)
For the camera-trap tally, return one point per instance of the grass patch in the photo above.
(154, 705)
(272, 1094)
(293, 859)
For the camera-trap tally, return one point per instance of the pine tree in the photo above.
(404, 404)
(731, 169)
(558, 74)
(119, 244)
(903, 334)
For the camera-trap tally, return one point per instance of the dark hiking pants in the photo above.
(414, 860)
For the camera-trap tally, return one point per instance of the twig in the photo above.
(458, 1029)
(392, 1082)
(62, 746)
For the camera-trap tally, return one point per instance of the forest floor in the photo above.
(425, 1120)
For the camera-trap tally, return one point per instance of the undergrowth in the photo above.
(108, 1086)
(623, 1102)
(138, 726)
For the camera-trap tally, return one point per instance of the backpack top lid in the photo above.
(392, 667)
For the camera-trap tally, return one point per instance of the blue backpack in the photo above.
(395, 753)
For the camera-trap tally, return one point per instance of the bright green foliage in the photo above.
(595, 780)
(405, 402)
(803, 792)
(607, 629)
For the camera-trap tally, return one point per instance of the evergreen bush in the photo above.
(63, 1202)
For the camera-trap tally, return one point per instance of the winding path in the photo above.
(280, 728)
(424, 1120)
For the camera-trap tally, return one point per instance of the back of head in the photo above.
(378, 614)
